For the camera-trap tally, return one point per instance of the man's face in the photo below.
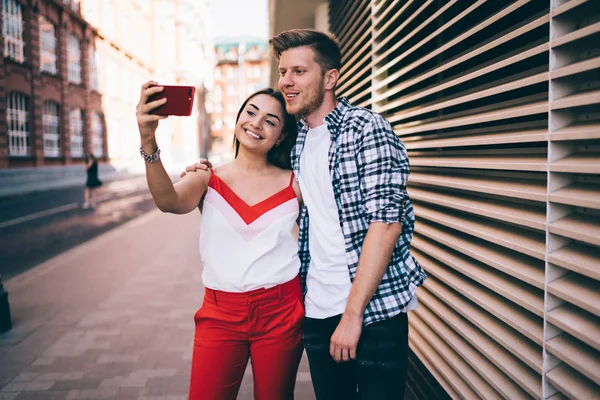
(301, 80)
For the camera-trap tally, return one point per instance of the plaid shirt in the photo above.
(369, 169)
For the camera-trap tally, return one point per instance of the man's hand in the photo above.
(203, 165)
(345, 338)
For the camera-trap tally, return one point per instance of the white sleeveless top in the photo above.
(244, 247)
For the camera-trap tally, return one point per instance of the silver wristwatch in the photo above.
(151, 158)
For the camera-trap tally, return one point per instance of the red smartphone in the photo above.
(180, 100)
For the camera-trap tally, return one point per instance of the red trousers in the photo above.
(264, 325)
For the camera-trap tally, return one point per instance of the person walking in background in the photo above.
(252, 305)
(92, 182)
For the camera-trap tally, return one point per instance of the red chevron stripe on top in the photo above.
(251, 213)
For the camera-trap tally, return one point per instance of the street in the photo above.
(109, 317)
(36, 227)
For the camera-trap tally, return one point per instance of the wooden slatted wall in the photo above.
(498, 104)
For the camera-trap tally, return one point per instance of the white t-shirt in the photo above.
(328, 279)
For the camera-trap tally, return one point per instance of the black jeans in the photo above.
(379, 371)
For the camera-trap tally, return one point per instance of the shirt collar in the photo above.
(333, 119)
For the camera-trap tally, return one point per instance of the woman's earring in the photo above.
(277, 144)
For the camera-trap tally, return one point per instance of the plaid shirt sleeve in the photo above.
(383, 172)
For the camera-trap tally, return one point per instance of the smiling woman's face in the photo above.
(260, 124)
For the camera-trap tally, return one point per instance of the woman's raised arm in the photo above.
(186, 194)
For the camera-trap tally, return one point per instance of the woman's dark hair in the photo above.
(279, 155)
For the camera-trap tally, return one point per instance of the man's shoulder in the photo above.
(359, 117)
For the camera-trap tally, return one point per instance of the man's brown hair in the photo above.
(325, 46)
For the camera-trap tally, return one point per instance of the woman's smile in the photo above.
(253, 135)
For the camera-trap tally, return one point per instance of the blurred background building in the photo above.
(71, 74)
(498, 104)
(242, 68)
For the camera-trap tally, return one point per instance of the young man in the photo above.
(355, 229)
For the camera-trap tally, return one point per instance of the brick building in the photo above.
(242, 68)
(50, 108)
(71, 72)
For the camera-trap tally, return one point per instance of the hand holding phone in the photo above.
(180, 100)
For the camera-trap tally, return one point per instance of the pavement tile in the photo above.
(118, 358)
(27, 386)
(49, 395)
(104, 325)
(88, 394)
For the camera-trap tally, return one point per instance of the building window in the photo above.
(97, 134)
(50, 128)
(18, 124)
(47, 46)
(93, 60)
(76, 125)
(74, 59)
(12, 30)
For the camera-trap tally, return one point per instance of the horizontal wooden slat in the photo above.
(573, 384)
(506, 362)
(527, 190)
(492, 89)
(362, 23)
(568, 6)
(558, 396)
(438, 366)
(527, 351)
(461, 79)
(578, 163)
(576, 35)
(576, 100)
(578, 131)
(579, 258)
(579, 290)
(523, 322)
(424, 358)
(492, 233)
(579, 356)
(578, 323)
(508, 162)
(578, 194)
(576, 68)
(513, 264)
(482, 388)
(518, 214)
(488, 370)
(531, 136)
(407, 36)
(519, 293)
(540, 107)
(446, 46)
(362, 54)
(579, 227)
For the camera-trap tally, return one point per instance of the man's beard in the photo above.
(313, 102)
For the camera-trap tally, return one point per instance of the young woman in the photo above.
(253, 302)
(92, 182)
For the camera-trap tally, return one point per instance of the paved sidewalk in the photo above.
(111, 318)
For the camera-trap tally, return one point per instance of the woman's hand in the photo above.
(147, 123)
